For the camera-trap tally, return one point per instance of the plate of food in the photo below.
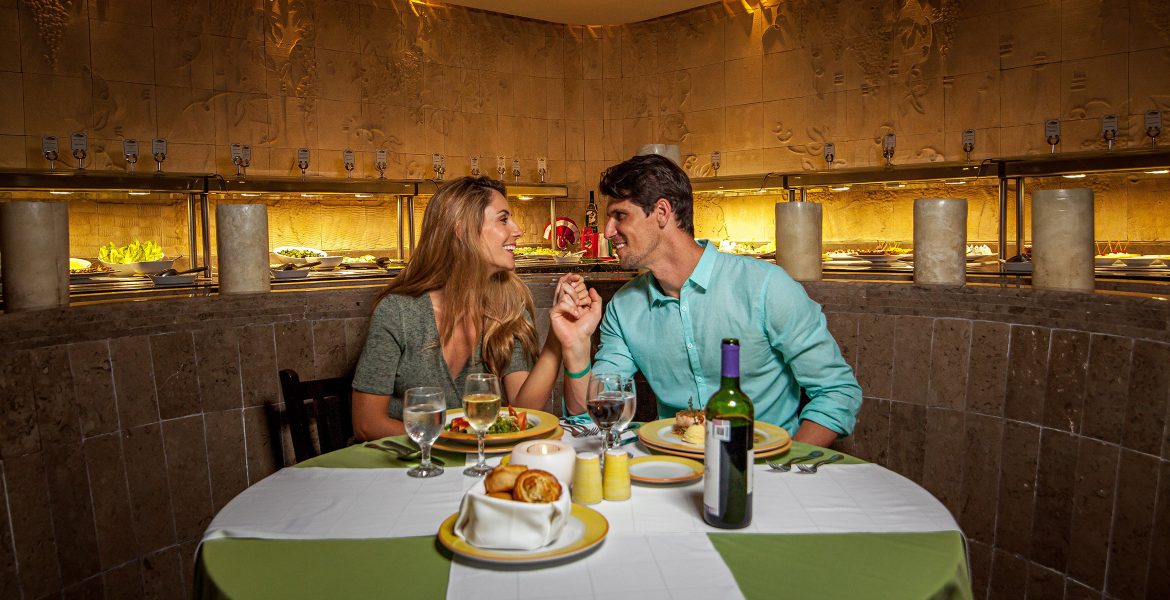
(300, 255)
(454, 446)
(686, 433)
(664, 470)
(135, 258)
(512, 425)
(81, 269)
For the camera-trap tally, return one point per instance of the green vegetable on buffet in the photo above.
(130, 253)
(297, 253)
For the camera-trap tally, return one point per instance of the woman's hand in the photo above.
(573, 286)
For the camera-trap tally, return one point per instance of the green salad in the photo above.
(130, 253)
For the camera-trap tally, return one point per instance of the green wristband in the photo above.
(578, 374)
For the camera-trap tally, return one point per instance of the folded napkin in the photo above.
(489, 522)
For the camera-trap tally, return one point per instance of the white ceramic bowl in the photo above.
(174, 279)
(328, 262)
(297, 261)
(1104, 261)
(293, 274)
(140, 268)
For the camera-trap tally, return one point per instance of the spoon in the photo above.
(787, 466)
(170, 272)
(813, 467)
(291, 266)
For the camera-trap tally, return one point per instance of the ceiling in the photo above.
(584, 12)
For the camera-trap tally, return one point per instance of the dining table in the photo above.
(350, 524)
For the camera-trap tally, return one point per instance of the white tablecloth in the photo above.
(659, 525)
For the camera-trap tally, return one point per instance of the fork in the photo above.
(787, 465)
(820, 463)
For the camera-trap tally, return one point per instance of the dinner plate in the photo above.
(698, 455)
(454, 446)
(658, 433)
(664, 469)
(539, 423)
(879, 257)
(586, 528)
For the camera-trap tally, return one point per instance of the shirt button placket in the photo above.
(692, 353)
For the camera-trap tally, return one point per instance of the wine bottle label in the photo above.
(712, 476)
(719, 430)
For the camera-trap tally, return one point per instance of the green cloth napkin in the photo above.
(360, 457)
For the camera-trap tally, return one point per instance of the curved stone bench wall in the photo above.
(1038, 419)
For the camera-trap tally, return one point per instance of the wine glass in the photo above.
(629, 407)
(481, 408)
(424, 411)
(606, 402)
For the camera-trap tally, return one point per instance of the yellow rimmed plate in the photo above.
(586, 528)
(506, 446)
(700, 456)
(658, 433)
(664, 470)
(540, 424)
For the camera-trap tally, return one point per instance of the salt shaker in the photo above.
(617, 475)
(587, 479)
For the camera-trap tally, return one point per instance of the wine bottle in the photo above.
(591, 214)
(730, 416)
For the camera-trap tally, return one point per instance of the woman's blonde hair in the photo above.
(450, 251)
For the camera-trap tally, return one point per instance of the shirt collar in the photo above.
(700, 277)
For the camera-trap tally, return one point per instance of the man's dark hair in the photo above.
(644, 179)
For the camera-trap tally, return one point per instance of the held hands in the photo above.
(575, 313)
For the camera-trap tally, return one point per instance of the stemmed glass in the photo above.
(481, 408)
(609, 398)
(424, 411)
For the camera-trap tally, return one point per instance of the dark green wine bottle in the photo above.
(727, 482)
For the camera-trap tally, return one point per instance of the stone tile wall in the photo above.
(1038, 419)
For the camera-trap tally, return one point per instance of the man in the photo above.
(669, 321)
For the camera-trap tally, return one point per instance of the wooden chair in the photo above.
(325, 400)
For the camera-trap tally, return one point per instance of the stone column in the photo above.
(1062, 240)
(242, 243)
(34, 252)
(798, 239)
(940, 241)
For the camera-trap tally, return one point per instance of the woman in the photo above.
(459, 308)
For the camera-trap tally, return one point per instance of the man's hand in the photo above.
(573, 320)
(814, 433)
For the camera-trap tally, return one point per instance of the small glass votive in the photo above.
(617, 475)
(587, 479)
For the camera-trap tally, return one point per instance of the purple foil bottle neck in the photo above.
(731, 358)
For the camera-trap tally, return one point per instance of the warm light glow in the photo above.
(139, 193)
(1158, 172)
(363, 195)
(956, 182)
(522, 197)
(309, 195)
(249, 195)
(1074, 176)
(544, 449)
(840, 188)
(55, 193)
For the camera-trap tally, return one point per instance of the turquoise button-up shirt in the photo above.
(784, 342)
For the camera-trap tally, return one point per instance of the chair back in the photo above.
(325, 400)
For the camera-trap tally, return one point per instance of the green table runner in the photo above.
(853, 565)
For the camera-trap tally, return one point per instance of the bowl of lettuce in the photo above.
(135, 258)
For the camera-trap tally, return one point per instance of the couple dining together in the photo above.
(459, 308)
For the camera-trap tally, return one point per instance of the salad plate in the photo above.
(664, 470)
(452, 446)
(513, 425)
(660, 434)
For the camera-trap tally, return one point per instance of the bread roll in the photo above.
(501, 495)
(503, 478)
(535, 485)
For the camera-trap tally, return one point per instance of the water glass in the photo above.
(481, 408)
(424, 411)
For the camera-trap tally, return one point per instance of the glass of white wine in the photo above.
(424, 411)
(481, 408)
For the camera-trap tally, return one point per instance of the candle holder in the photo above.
(303, 160)
(380, 160)
(889, 142)
(50, 150)
(130, 153)
(1153, 126)
(79, 148)
(158, 150)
